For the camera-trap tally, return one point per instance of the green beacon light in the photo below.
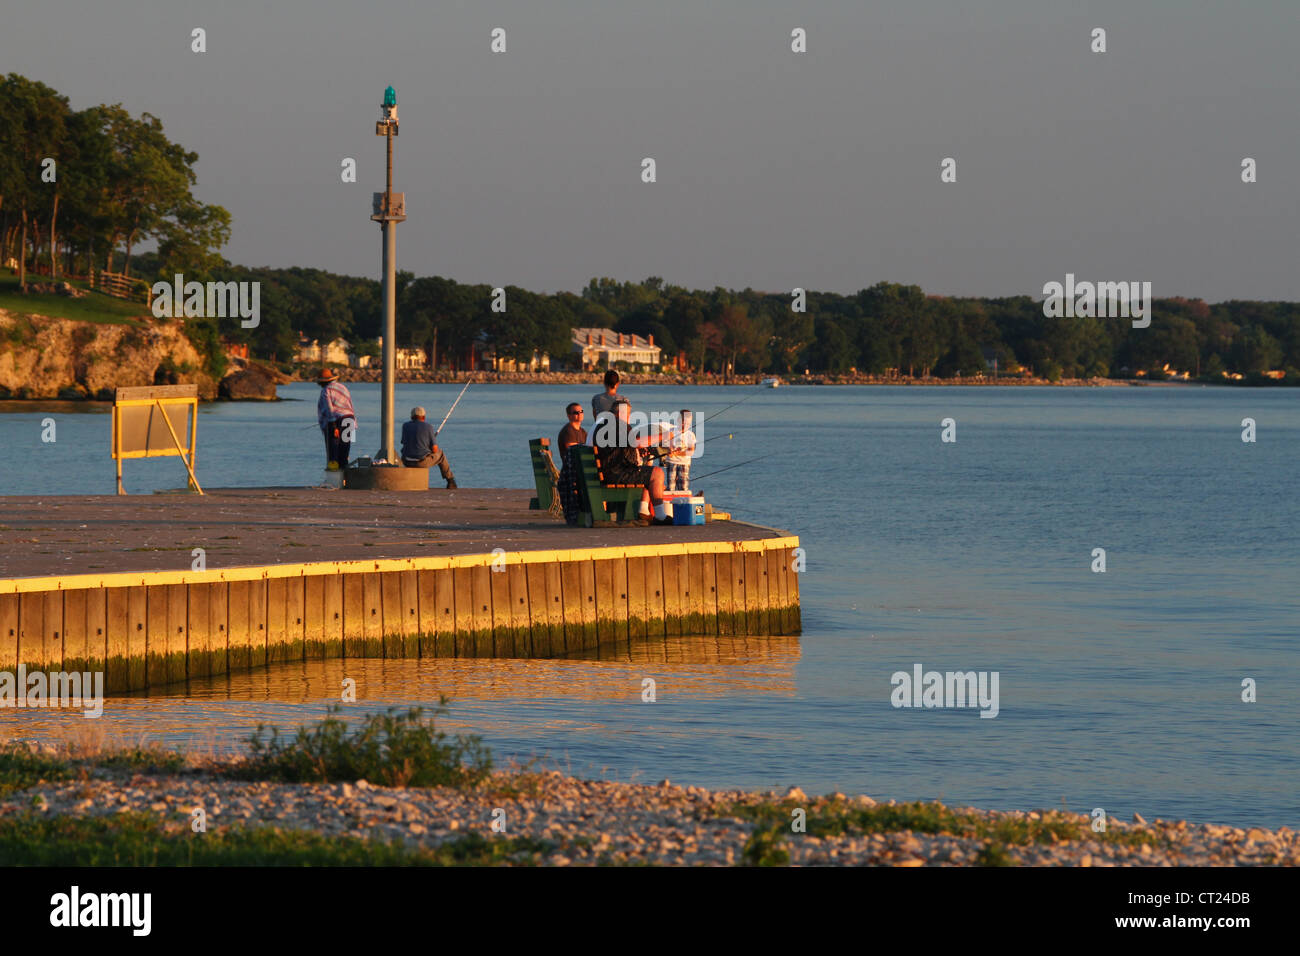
(390, 97)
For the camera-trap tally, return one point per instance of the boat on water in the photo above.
(770, 382)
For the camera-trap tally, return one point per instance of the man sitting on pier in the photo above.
(336, 417)
(619, 452)
(420, 446)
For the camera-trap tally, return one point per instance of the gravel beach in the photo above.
(586, 822)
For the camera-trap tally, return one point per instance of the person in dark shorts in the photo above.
(572, 436)
(621, 464)
(336, 417)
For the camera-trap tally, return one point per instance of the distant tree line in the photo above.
(886, 328)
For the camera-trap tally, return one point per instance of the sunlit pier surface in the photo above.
(159, 589)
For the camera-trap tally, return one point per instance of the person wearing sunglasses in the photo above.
(572, 433)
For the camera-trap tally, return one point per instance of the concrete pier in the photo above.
(154, 590)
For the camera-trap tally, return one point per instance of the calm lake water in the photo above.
(1119, 690)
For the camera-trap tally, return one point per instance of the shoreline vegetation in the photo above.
(397, 792)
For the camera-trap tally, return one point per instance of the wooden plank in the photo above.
(155, 635)
(606, 613)
(654, 596)
(177, 640)
(276, 634)
(238, 637)
(739, 585)
(503, 635)
(354, 616)
(257, 623)
(116, 628)
(219, 627)
(709, 577)
(636, 601)
(54, 630)
(675, 588)
(778, 593)
(693, 595)
(539, 610)
(571, 606)
(427, 595)
(74, 630)
(622, 610)
(197, 620)
(756, 592)
(520, 622)
(391, 610)
(723, 582)
(464, 610)
(410, 614)
(295, 616)
(555, 608)
(793, 623)
(96, 629)
(372, 615)
(9, 633)
(137, 622)
(444, 588)
(481, 578)
(333, 615)
(587, 592)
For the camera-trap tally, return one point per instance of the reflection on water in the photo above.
(510, 702)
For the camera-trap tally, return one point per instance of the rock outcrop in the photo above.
(61, 358)
(249, 382)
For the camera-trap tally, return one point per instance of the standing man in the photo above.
(420, 447)
(604, 401)
(336, 417)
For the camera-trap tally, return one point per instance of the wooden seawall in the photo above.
(151, 627)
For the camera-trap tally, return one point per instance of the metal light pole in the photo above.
(388, 209)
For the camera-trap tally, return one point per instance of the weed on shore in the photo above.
(398, 748)
(837, 818)
(139, 839)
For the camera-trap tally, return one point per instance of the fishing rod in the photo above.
(669, 451)
(452, 409)
(693, 479)
(732, 405)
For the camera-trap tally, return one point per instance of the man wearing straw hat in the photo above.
(420, 446)
(337, 418)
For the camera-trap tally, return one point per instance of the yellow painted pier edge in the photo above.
(153, 628)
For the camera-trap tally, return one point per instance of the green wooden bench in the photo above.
(597, 497)
(539, 450)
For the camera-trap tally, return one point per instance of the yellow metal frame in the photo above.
(74, 582)
(191, 421)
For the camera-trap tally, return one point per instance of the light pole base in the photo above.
(386, 478)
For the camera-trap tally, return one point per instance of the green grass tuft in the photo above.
(138, 839)
(20, 768)
(396, 749)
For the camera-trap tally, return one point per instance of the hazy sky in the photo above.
(775, 169)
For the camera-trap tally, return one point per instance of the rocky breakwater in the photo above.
(44, 358)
